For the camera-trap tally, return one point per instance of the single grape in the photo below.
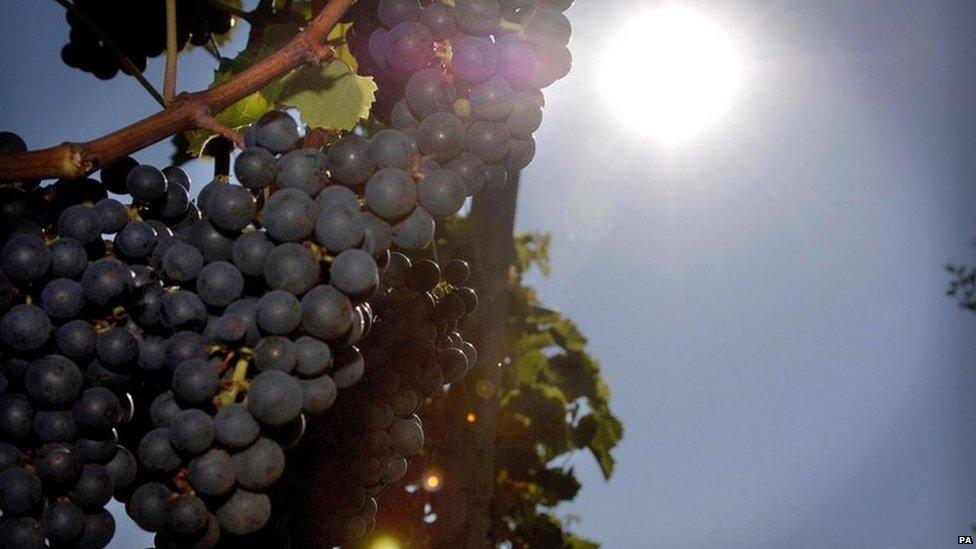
(393, 149)
(526, 118)
(489, 141)
(279, 312)
(75, 339)
(53, 381)
(20, 492)
(174, 203)
(98, 530)
(98, 450)
(186, 514)
(391, 12)
(428, 91)
(93, 489)
(349, 367)
(255, 168)
(163, 409)
(114, 175)
(497, 179)
(244, 513)
(25, 257)
(259, 466)
(277, 132)
(439, 20)
(441, 192)
(235, 427)
(213, 473)
(147, 505)
(112, 215)
(291, 267)
(472, 171)
(63, 522)
(520, 154)
(474, 59)
(479, 17)
(68, 258)
(304, 170)
(250, 251)
(212, 243)
(22, 533)
(275, 353)
(58, 466)
(191, 432)
(409, 47)
(549, 29)
(145, 184)
(351, 162)
(319, 394)
(441, 135)
(195, 381)
(156, 454)
(122, 469)
(391, 194)
(184, 345)
(55, 426)
(400, 117)
(62, 298)
(337, 196)
(289, 215)
(339, 229)
(136, 240)
(415, 231)
(25, 327)
(177, 175)
(456, 272)
(493, 99)
(97, 410)
(11, 142)
(183, 310)
(219, 283)
(274, 398)
(230, 207)
(516, 60)
(314, 358)
(378, 237)
(104, 281)
(326, 313)
(354, 273)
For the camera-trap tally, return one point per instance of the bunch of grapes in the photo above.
(413, 350)
(172, 365)
(464, 77)
(138, 29)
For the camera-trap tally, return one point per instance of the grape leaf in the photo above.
(331, 97)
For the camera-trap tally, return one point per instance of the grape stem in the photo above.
(124, 61)
(238, 381)
(172, 53)
(74, 160)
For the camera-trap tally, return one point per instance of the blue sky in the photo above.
(766, 299)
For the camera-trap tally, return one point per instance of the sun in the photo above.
(671, 73)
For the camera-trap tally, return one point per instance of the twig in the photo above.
(172, 53)
(207, 122)
(73, 160)
(124, 61)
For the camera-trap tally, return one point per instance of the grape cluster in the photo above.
(138, 29)
(464, 77)
(172, 364)
(413, 351)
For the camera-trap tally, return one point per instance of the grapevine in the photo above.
(192, 356)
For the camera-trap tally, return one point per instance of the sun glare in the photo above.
(671, 72)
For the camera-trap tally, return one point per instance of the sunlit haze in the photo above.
(672, 72)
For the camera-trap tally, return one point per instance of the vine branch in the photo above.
(124, 61)
(172, 53)
(73, 160)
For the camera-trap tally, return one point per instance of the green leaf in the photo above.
(331, 97)
(609, 431)
(572, 541)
